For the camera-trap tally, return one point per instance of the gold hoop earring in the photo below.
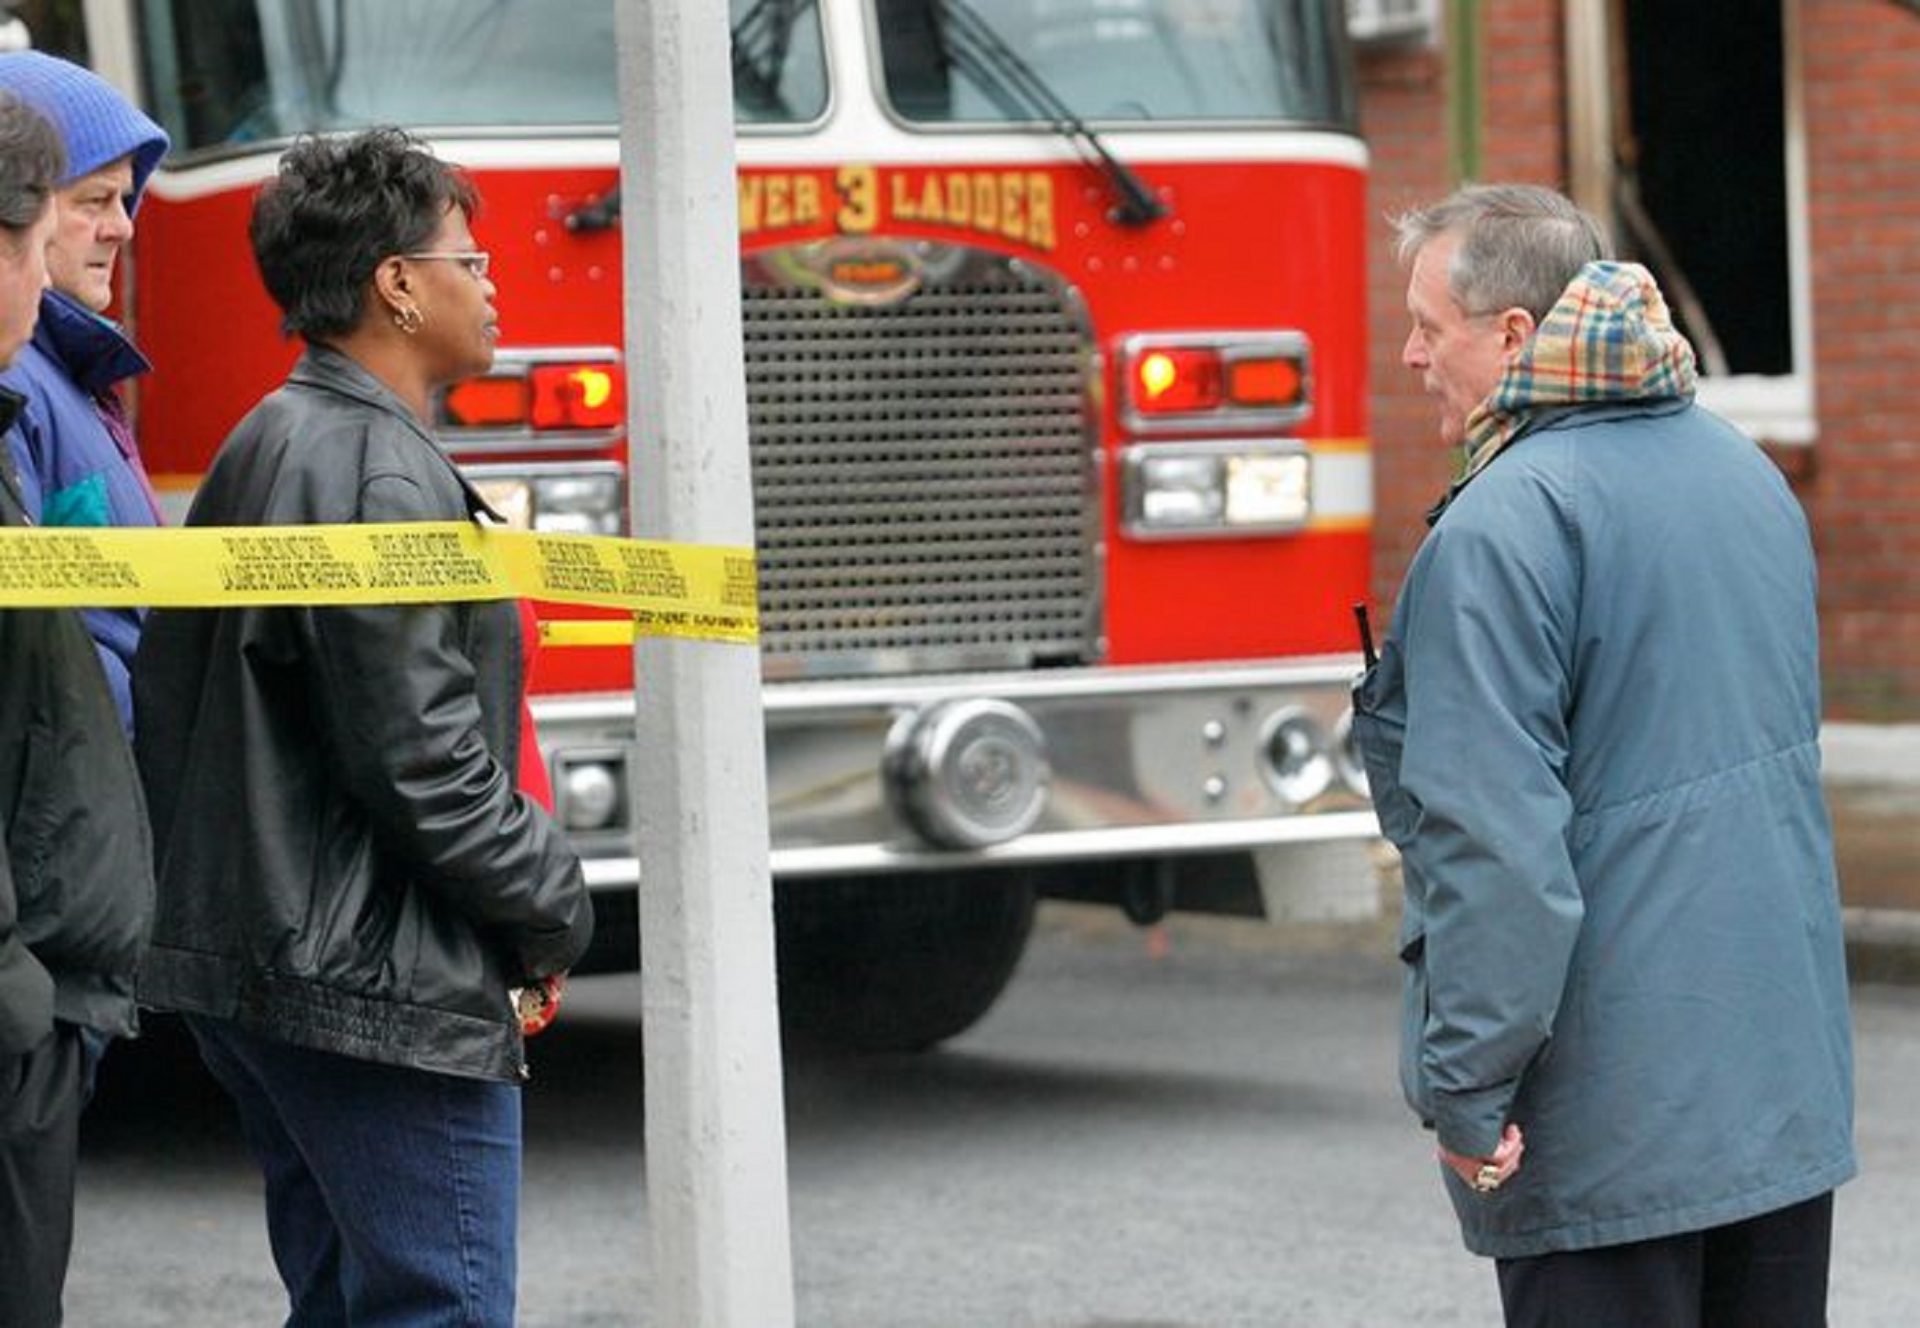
(409, 319)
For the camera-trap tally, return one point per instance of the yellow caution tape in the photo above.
(588, 632)
(704, 592)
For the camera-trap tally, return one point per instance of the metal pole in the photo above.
(715, 1132)
(1590, 107)
(1463, 88)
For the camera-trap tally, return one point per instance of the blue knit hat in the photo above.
(97, 124)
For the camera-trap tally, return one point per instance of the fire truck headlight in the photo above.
(1294, 756)
(1180, 493)
(1213, 488)
(591, 792)
(585, 504)
(565, 498)
(1268, 490)
(511, 497)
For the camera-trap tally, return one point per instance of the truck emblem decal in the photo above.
(852, 270)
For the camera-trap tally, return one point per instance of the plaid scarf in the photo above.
(1608, 338)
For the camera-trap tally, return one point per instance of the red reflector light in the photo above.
(578, 396)
(1172, 379)
(1266, 382)
(484, 403)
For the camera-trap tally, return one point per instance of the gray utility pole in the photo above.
(716, 1141)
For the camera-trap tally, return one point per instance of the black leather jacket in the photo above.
(343, 860)
(76, 890)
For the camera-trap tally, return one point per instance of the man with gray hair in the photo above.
(1592, 732)
(76, 883)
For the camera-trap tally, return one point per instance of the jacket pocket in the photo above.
(26, 999)
(80, 852)
(1413, 1012)
(1380, 732)
(36, 828)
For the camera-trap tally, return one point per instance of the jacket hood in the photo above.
(1609, 339)
(97, 125)
(92, 350)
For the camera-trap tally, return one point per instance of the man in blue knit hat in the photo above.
(75, 452)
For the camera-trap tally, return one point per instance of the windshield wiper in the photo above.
(976, 50)
(760, 42)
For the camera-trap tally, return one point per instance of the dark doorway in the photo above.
(1705, 151)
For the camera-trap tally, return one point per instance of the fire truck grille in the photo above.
(921, 478)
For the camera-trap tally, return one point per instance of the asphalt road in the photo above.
(1200, 1128)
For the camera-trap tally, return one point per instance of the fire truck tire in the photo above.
(891, 964)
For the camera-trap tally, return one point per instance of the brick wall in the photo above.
(1402, 107)
(1861, 481)
(1861, 64)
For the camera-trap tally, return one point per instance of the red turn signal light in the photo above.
(1274, 383)
(578, 396)
(1177, 381)
(549, 397)
(487, 403)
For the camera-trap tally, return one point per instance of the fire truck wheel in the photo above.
(897, 963)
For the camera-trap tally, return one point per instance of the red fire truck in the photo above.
(1054, 322)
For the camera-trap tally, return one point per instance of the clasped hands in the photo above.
(1484, 1175)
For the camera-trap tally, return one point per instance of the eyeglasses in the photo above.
(476, 261)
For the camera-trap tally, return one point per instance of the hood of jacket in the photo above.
(1608, 340)
(95, 353)
(97, 124)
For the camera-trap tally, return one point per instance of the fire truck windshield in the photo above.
(225, 73)
(1122, 60)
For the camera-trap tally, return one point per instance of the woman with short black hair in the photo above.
(353, 875)
(337, 209)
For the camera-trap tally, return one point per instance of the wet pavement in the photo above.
(1195, 1126)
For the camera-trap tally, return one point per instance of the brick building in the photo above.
(1775, 187)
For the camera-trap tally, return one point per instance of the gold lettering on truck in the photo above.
(751, 189)
(1009, 205)
(859, 190)
(1040, 210)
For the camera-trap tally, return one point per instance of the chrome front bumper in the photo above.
(1139, 761)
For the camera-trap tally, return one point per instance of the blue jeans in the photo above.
(393, 1195)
